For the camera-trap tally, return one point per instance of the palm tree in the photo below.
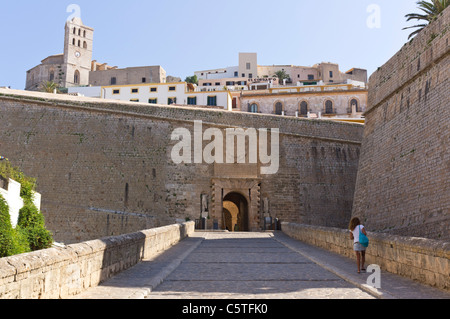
(431, 9)
(49, 87)
(281, 75)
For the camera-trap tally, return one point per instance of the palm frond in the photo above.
(431, 9)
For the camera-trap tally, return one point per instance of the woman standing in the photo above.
(355, 228)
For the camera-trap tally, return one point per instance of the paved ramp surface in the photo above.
(269, 265)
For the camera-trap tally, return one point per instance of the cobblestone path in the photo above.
(269, 265)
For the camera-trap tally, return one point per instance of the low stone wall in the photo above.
(64, 272)
(424, 260)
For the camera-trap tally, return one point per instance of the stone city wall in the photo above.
(423, 260)
(403, 178)
(61, 273)
(104, 167)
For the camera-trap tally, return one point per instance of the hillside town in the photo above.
(321, 91)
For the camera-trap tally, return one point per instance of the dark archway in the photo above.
(238, 216)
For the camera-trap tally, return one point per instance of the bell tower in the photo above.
(78, 43)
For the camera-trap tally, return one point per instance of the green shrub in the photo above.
(39, 238)
(30, 233)
(30, 216)
(32, 222)
(20, 242)
(27, 184)
(6, 230)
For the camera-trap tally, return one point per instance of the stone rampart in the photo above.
(403, 178)
(60, 273)
(104, 167)
(420, 259)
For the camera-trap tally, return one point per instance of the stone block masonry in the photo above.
(61, 273)
(104, 167)
(403, 179)
(420, 259)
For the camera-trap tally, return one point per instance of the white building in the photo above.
(180, 93)
(10, 190)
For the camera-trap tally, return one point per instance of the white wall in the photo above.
(163, 93)
(94, 91)
(15, 202)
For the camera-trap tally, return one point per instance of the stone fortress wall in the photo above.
(104, 168)
(403, 183)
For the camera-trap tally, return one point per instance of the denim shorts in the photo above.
(358, 247)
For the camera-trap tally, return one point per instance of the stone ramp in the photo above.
(221, 265)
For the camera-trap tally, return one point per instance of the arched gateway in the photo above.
(236, 204)
(235, 212)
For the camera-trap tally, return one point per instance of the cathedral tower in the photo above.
(78, 43)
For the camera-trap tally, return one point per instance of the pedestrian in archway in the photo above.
(356, 229)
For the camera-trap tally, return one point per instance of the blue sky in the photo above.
(186, 36)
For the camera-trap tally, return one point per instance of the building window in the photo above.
(250, 75)
(73, 41)
(303, 108)
(192, 100)
(52, 75)
(113, 81)
(172, 88)
(310, 77)
(79, 32)
(253, 108)
(243, 75)
(134, 100)
(84, 45)
(153, 101)
(236, 74)
(355, 103)
(154, 89)
(134, 91)
(144, 80)
(171, 100)
(331, 74)
(74, 30)
(84, 33)
(76, 77)
(79, 43)
(116, 91)
(212, 100)
(249, 66)
(279, 108)
(328, 107)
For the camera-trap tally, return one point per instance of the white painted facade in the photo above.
(167, 94)
(88, 91)
(15, 202)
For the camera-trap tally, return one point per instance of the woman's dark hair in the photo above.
(353, 223)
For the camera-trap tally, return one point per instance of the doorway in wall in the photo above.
(235, 212)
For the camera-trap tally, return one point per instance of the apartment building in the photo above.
(249, 73)
(177, 94)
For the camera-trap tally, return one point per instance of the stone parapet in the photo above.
(420, 259)
(415, 58)
(402, 183)
(59, 273)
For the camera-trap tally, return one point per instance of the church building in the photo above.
(75, 67)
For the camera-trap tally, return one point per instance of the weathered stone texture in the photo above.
(60, 273)
(104, 168)
(404, 172)
(423, 260)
